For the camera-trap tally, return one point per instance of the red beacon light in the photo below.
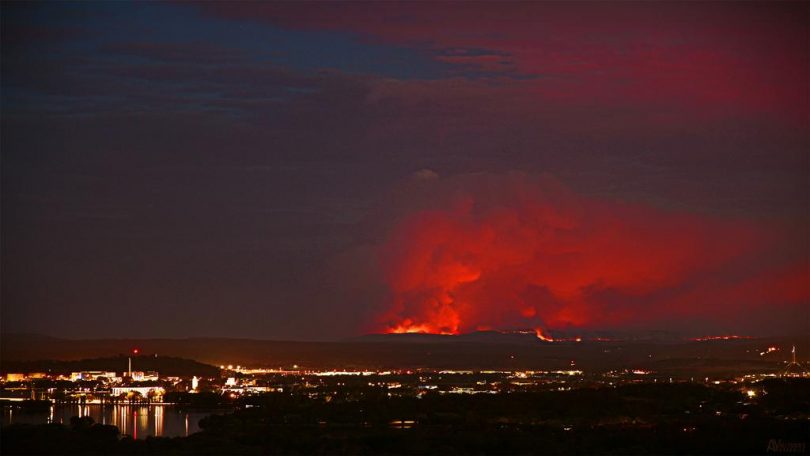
(135, 351)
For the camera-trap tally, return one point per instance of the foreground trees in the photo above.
(635, 419)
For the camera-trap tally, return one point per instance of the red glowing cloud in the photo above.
(512, 251)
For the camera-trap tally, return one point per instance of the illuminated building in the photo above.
(793, 368)
(91, 375)
(143, 391)
(151, 376)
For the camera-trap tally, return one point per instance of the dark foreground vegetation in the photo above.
(635, 419)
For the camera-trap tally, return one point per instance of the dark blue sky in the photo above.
(245, 169)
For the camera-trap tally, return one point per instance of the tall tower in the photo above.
(793, 364)
(135, 351)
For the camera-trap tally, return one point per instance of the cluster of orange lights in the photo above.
(730, 337)
(769, 350)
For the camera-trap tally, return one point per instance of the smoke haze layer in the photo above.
(482, 251)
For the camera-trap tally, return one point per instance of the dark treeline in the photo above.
(635, 419)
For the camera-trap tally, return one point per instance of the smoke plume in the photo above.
(515, 251)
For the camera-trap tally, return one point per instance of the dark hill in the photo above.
(165, 365)
(476, 351)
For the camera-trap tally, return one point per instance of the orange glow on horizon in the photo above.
(409, 327)
(542, 336)
(728, 337)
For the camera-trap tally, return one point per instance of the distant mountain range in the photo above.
(479, 350)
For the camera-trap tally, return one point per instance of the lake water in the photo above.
(139, 421)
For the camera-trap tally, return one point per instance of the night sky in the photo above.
(324, 170)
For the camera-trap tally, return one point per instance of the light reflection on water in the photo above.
(402, 424)
(139, 421)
